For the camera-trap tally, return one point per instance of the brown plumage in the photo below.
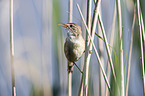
(74, 44)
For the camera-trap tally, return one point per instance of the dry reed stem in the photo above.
(89, 8)
(130, 52)
(107, 47)
(70, 72)
(103, 71)
(111, 43)
(12, 49)
(88, 56)
(141, 44)
(118, 3)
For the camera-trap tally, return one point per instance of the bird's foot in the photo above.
(70, 67)
(90, 52)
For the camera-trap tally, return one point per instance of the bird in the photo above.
(74, 45)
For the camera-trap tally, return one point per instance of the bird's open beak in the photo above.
(63, 25)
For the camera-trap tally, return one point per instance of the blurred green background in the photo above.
(40, 64)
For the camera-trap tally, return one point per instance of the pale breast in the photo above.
(74, 48)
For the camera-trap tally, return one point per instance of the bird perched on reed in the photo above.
(74, 44)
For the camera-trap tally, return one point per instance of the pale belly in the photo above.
(74, 49)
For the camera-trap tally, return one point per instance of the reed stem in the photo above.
(12, 49)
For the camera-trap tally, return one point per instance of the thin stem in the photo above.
(81, 86)
(69, 83)
(70, 70)
(141, 44)
(88, 56)
(70, 19)
(130, 52)
(12, 49)
(118, 3)
(103, 71)
(143, 31)
(89, 8)
(108, 50)
(107, 47)
(101, 50)
(111, 44)
(69, 65)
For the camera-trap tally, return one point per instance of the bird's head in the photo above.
(72, 28)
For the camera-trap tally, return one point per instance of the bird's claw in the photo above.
(90, 52)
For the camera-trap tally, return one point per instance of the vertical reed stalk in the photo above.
(70, 14)
(130, 52)
(88, 56)
(12, 49)
(111, 44)
(69, 83)
(101, 50)
(89, 8)
(143, 31)
(118, 3)
(141, 44)
(107, 47)
(103, 71)
(70, 72)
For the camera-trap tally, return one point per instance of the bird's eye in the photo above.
(71, 25)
